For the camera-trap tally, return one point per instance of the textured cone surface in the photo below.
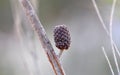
(62, 37)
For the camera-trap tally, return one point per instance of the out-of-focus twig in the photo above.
(99, 16)
(36, 24)
(104, 26)
(110, 28)
(30, 69)
(108, 61)
(109, 33)
(17, 30)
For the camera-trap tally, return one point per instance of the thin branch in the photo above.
(38, 28)
(99, 16)
(31, 69)
(108, 61)
(110, 28)
(60, 53)
(104, 26)
(111, 15)
(17, 28)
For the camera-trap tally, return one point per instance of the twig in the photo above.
(110, 28)
(99, 15)
(17, 28)
(60, 53)
(104, 26)
(113, 45)
(31, 69)
(105, 54)
(36, 24)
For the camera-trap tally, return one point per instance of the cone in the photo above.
(62, 37)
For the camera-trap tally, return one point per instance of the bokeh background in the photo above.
(21, 52)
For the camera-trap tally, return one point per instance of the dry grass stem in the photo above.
(104, 26)
(38, 28)
(110, 28)
(99, 15)
(109, 33)
(105, 54)
(17, 30)
(31, 69)
(60, 53)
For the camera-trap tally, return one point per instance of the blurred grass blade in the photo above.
(110, 28)
(108, 61)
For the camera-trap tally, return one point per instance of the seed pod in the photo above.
(62, 37)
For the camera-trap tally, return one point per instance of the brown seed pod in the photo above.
(62, 37)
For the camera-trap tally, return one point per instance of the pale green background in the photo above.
(84, 57)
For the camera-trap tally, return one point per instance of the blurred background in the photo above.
(21, 52)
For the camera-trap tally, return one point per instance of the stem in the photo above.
(104, 26)
(17, 29)
(108, 61)
(60, 53)
(99, 16)
(38, 28)
(113, 45)
(110, 28)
